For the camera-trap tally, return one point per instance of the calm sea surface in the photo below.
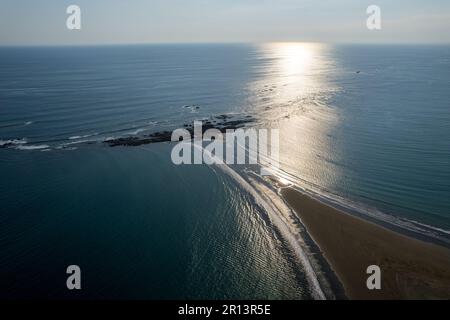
(367, 127)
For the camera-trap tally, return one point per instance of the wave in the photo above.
(17, 124)
(403, 225)
(12, 142)
(32, 147)
(76, 142)
(278, 218)
(83, 136)
(319, 193)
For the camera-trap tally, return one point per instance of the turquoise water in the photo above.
(366, 127)
(139, 227)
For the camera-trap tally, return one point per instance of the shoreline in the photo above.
(410, 268)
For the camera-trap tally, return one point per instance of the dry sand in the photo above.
(410, 268)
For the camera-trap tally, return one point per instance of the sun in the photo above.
(295, 58)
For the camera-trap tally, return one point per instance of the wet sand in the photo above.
(410, 268)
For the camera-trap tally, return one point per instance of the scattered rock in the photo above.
(222, 123)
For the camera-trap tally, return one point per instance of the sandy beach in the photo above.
(410, 268)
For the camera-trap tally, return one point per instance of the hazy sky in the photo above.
(137, 21)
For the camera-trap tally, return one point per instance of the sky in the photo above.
(43, 22)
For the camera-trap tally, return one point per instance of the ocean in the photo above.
(362, 127)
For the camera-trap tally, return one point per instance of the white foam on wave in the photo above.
(82, 136)
(431, 227)
(75, 142)
(28, 123)
(13, 142)
(32, 147)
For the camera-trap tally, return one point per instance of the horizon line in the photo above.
(24, 45)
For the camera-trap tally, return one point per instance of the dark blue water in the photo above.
(367, 126)
(138, 226)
